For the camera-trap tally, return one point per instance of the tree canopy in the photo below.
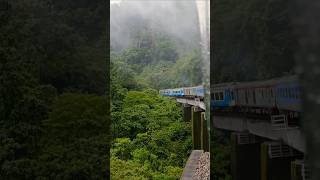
(48, 50)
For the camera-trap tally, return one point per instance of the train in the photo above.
(267, 97)
(197, 91)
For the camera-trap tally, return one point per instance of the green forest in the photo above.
(151, 141)
(55, 95)
(54, 120)
(150, 138)
(55, 85)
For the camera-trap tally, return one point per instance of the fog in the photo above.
(178, 19)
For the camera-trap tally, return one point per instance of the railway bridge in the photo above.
(260, 149)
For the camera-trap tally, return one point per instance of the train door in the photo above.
(232, 97)
(246, 95)
(237, 100)
(254, 96)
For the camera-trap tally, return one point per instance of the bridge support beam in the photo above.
(276, 160)
(186, 112)
(245, 156)
(196, 127)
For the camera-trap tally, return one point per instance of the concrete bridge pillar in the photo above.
(200, 136)
(204, 133)
(300, 170)
(245, 156)
(186, 112)
(276, 159)
(196, 127)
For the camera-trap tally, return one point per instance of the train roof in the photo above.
(269, 82)
(224, 84)
(183, 87)
(258, 82)
(290, 78)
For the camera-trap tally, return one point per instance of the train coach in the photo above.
(197, 91)
(223, 96)
(275, 96)
(268, 97)
(172, 92)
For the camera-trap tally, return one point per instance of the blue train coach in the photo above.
(222, 96)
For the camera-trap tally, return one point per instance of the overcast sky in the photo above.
(175, 18)
(115, 1)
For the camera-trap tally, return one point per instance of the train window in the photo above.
(294, 92)
(246, 96)
(289, 92)
(232, 96)
(286, 92)
(280, 92)
(221, 95)
(216, 96)
(271, 92)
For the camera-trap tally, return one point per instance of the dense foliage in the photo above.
(150, 140)
(253, 40)
(50, 48)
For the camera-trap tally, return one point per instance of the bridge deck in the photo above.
(193, 102)
(291, 136)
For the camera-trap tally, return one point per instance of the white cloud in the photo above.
(115, 1)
